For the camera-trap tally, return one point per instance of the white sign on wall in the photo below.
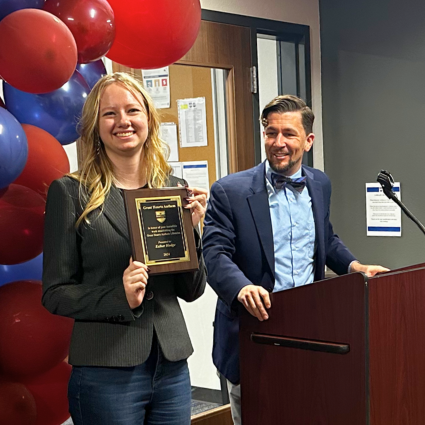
(383, 216)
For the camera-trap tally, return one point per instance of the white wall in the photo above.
(304, 12)
(268, 86)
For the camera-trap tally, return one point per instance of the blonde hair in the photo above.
(96, 174)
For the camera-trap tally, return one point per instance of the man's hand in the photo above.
(368, 270)
(255, 299)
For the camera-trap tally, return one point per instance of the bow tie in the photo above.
(280, 182)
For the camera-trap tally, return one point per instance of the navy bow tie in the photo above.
(280, 182)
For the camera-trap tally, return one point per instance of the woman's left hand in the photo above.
(197, 203)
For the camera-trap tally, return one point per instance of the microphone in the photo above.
(385, 179)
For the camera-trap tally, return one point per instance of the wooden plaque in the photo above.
(161, 230)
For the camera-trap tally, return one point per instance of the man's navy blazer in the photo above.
(239, 250)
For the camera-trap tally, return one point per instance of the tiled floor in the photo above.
(202, 406)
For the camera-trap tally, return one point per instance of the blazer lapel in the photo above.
(114, 211)
(316, 195)
(259, 205)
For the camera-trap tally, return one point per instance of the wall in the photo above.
(373, 63)
(295, 11)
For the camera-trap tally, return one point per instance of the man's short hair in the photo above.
(289, 103)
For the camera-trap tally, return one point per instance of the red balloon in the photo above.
(50, 394)
(32, 340)
(17, 405)
(153, 34)
(47, 160)
(91, 23)
(40, 54)
(21, 224)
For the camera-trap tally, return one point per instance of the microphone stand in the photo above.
(385, 179)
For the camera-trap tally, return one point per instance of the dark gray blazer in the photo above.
(82, 279)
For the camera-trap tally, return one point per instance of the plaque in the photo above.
(161, 230)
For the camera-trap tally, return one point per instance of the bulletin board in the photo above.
(188, 81)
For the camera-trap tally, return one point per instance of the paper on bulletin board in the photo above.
(168, 133)
(383, 216)
(157, 84)
(196, 174)
(177, 169)
(192, 122)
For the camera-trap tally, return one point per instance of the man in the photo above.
(265, 233)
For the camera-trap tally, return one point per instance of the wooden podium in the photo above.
(343, 351)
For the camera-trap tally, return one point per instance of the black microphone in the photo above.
(385, 179)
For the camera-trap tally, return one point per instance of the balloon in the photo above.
(92, 71)
(47, 160)
(153, 34)
(32, 269)
(17, 405)
(40, 54)
(32, 340)
(9, 6)
(21, 224)
(91, 23)
(56, 112)
(50, 394)
(13, 148)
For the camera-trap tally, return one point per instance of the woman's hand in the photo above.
(197, 203)
(135, 279)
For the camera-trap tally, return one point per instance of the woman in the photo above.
(130, 343)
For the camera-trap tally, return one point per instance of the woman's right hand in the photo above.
(135, 279)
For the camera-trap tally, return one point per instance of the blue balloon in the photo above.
(30, 270)
(13, 148)
(92, 71)
(9, 6)
(56, 112)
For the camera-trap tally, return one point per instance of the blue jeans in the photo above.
(156, 392)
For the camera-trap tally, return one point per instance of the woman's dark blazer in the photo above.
(82, 279)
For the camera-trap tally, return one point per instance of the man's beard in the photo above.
(277, 168)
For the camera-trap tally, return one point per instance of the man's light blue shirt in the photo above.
(294, 234)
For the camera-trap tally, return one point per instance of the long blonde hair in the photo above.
(96, 174)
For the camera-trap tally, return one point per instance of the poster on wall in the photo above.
(157, 84)
(192, 122)
(383, 216)
(168, 133)
(196, 174)
(177, 169)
